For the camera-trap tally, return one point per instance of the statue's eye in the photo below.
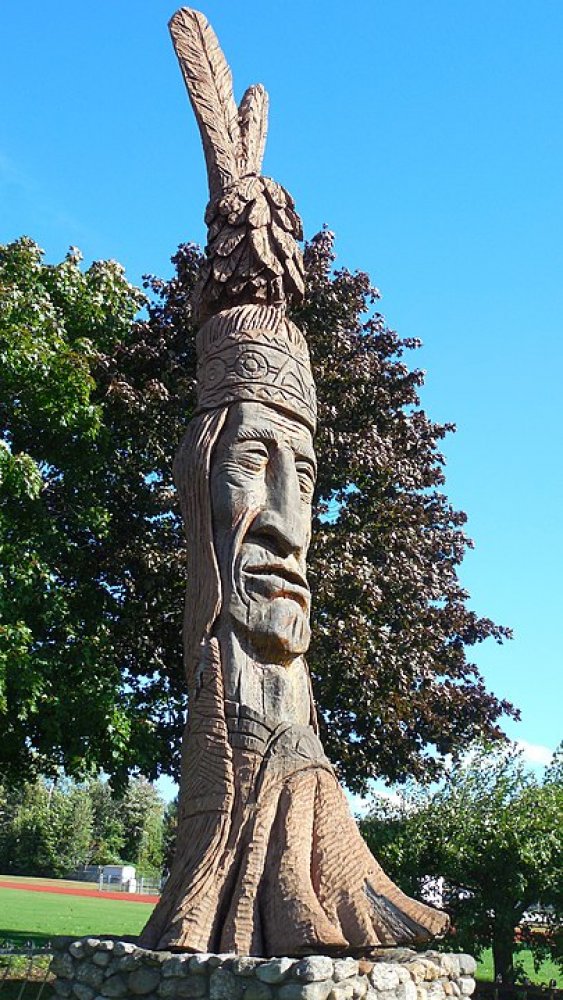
(306, 475)
(252, 455)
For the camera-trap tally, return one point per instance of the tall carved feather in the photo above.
(210, 87)
(253, 121)
(252, 253)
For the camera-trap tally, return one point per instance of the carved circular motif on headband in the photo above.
(252, 365)
(255, 353)
(215, 371)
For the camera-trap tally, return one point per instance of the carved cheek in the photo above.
(245, 499)
(234, 491)
(246, 493)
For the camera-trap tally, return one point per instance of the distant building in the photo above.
(119, 875)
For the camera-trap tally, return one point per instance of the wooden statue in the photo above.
(269, 860)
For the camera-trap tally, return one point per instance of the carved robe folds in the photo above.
(272, 861)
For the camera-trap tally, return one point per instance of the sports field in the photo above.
(38, 916)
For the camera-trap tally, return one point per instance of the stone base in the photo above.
(94, 969)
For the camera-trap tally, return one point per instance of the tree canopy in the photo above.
(94, 403)
(494, 834)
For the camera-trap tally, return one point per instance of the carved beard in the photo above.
(267, 605)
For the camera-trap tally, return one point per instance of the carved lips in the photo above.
(272, 580)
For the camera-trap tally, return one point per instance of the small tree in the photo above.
(107, 824)
(26, 837)
(45, 829)
(494, 834)
(70, 817)
(170, 833)
(142, 811)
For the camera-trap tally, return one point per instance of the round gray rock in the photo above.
(314, 969)
(115, 986)
(224, 985)
(275, 971)
(255, 990)
(142, 980)
(101, 958)
(89, 974)
(82, 991)
(62, 987)
(62, 965)
(345, 968)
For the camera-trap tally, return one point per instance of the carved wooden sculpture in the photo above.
(269, 860)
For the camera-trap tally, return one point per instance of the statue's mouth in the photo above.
(273, 580)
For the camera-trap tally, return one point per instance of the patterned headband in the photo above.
(255, 353)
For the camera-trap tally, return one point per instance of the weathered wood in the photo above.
(269, 860)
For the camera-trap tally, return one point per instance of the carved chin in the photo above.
(278, 629)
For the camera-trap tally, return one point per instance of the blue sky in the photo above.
(428, 136)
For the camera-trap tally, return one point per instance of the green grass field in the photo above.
(37, 916)
(547, 971)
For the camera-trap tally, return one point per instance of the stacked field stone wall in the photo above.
(94, 969)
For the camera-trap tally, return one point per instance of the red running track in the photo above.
(66, 890)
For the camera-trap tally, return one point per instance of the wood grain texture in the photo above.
(269, 860)
(210, 87)
(253, 124)
(252, 254)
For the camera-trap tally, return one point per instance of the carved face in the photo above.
(262, 479)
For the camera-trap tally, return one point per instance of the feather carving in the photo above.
(210, 87)
(252, 255)
(253, 123)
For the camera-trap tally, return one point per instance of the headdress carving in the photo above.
(247, 348)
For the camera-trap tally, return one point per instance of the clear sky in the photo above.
(428, 135)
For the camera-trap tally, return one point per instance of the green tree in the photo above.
(107, 824)
(61, 700)
(70, 820)
(170, 833)
(27, 841)
(142, 811)
(99, 608)
(45, 829)
(494, 834)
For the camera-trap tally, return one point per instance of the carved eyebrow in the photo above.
(256, 434)
(301, 448)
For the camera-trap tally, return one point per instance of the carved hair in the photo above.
(192, 468)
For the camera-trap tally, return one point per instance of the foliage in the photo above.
(391, 622)
(98, 541)
(53, 828)
(45, 829)
(61, 701)
(142, 812)
(494, 834)
(170, 833)
(108, 835)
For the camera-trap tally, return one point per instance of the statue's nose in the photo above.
(283, 518)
